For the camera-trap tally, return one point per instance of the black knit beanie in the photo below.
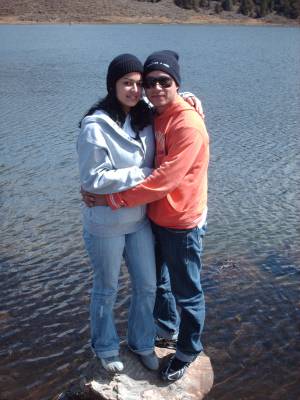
(120, 66)
(166, 61)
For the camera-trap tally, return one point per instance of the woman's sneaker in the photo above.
(112, 364)
(150, 361)
(174, 370)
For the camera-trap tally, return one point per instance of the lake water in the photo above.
(249, 81)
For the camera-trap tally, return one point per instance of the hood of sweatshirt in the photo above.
(99, 117)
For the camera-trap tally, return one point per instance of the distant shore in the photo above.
(128, 12)
(236, 19)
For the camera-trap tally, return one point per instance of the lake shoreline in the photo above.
(196, 20)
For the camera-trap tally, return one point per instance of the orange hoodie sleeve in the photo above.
(183, 145)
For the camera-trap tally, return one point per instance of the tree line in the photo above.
(251, 8)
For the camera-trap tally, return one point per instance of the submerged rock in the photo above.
(136, 382)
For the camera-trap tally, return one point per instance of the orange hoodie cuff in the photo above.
(114, 201)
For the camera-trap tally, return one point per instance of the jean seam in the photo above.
(187, 249)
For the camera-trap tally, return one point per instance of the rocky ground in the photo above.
(119, 11)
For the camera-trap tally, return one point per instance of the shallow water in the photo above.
(248, 80)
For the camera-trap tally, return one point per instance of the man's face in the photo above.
(160, 88)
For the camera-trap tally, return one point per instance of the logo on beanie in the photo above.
(157, 63)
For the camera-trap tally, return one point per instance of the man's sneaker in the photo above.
(174, 370)
(112, 364)
(165, 343)
(150, 361)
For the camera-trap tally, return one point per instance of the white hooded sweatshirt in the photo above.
(111, 160)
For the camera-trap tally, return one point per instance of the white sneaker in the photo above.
(112, 364)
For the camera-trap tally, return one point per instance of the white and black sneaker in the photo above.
(174, 370)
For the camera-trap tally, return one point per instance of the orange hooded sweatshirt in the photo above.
(177, 188)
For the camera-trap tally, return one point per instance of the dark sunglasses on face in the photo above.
(163, 81)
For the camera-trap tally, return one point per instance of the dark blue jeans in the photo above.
(180, 306)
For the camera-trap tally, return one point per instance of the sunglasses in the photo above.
(163, 81)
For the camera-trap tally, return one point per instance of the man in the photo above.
(176, 193)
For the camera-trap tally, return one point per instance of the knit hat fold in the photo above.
(166, 61)
(120, 66)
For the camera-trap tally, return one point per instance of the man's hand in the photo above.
(92, 199)
(194, 102)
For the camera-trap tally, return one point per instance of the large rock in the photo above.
(136, 382)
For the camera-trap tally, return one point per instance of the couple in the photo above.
(116, 147)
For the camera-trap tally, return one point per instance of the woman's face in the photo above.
(129, 90)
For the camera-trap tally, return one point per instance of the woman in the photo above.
(116, 149)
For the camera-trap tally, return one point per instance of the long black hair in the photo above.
(141, 113)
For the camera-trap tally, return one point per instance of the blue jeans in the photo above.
(106, 255)
(180, 306)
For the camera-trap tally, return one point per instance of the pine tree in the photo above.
(263, 8)
(218, 8)
(227, 5)
(247, 7)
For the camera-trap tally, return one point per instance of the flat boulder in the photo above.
(136, 382)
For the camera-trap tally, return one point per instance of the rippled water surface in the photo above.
(248, 80)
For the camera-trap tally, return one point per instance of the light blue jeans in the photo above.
(106, 255)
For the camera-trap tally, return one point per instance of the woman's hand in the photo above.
(92, 199)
